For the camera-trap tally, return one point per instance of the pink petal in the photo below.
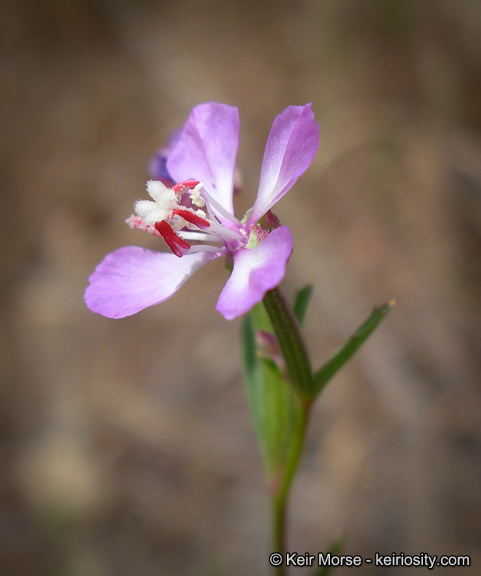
(292, 144)
(255, 272)
(206, 150)
(131, 279)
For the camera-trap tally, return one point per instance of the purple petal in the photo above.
(207, 149)
(290, 149)
(255, 272)
(131, 279)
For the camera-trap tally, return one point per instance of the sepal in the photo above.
(275, 409)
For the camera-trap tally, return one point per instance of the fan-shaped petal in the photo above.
(292, 144)
(255, 272)
(132, 278)
(206, 150)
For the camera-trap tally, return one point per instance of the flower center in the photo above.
(187, 212)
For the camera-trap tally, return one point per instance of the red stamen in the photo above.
(187, 184)
(192, 218)
(178, 246)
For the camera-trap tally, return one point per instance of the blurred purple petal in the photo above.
(292, 144)
(207, 149)
(255, 272)
(131, 279)
(157, 167)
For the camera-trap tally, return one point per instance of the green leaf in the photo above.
(301, 302)
(344, 354)
(334, 550)
(275, 408)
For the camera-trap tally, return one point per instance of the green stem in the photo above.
(289, 337)
(280, 493)
(299, 369)
(278, 507)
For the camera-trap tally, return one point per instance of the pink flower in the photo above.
(199, 210)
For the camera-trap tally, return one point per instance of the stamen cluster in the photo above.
(187, 212)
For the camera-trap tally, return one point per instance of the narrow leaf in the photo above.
(301, 302)
(334, 550)
(344, 354)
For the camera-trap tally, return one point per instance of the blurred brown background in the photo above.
(126, 447)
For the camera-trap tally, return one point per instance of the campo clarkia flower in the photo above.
(196, 218)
